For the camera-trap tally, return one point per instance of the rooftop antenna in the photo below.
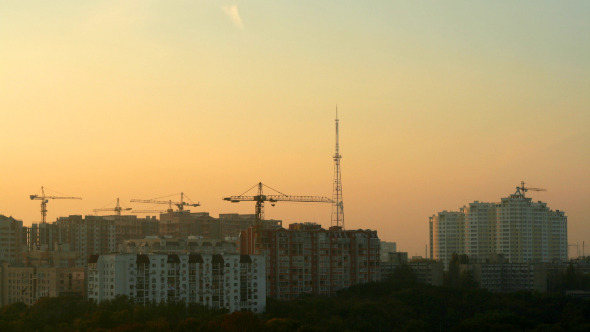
(337, 205)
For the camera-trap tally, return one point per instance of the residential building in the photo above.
(427, 271)
(12, 235)
(529, 232)
(234, 282)
(167, 244)
(44, 236)
(309, 259)
(386, 249)
(447, 236)
(511, 277)
(132, 227)
(480, 230)
(521, 230)
(28, 284)
(87, 236)
(184, 223)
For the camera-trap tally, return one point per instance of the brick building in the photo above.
(309, 259)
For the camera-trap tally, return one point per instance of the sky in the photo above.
(440, 104)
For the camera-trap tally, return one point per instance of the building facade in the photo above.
(12, 236)
(309, 259)
(28, 284)
(521, 230)
(167, 244)
(507, 277)
(480, 230)
(91, 235)
(184, 223)
(529, 232)
(234, 282)
(447, 235)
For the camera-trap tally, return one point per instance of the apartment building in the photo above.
(234, 282)
(521, 230)
(12, 239)
(28, 284)
(511, 277)
(184, 223)
(529, 232)
(447, 235)
(309, 259)
(89, 235)
(480, 230)
(386, 249)
(168, 244)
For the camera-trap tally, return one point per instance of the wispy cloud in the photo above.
(234, 15)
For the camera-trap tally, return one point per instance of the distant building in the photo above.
(386, 249)
(447, 236)
(234, 282)
(12, 236)
(28, 284)
(132, 227)
(191, 244)
(529, 232)
(511, 277)
(309, 259)
(480, 230)
(427, 271)
(521, 230)
(44, 236)
(87, 236)
(184, 223)
(50, 258)
(394, 260)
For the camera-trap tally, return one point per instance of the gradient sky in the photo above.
(441, 104)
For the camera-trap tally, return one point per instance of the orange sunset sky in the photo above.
(441, 104)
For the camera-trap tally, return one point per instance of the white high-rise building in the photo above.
(529, 232)
(447, 235)
(235, 282)
(480, 230)
(521, 230)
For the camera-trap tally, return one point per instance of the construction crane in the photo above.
(180, 205)
(117, 209)
(148, 211)
(45, 199)
(261, 198)
(522, 189)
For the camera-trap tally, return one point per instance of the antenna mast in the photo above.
(337, 206)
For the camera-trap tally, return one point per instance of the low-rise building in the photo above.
(428, 271)
(511, 277)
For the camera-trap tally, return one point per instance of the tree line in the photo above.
(397, 304)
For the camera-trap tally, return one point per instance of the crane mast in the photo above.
(260, 198)
(180, 205)
(520, 191)
(117, 209)
(45, 199)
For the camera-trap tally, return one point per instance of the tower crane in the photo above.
(45, 199)
(180, 205)
(522, 189)
(117, 209)
(261, 198)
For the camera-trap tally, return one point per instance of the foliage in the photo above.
(398, 304)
